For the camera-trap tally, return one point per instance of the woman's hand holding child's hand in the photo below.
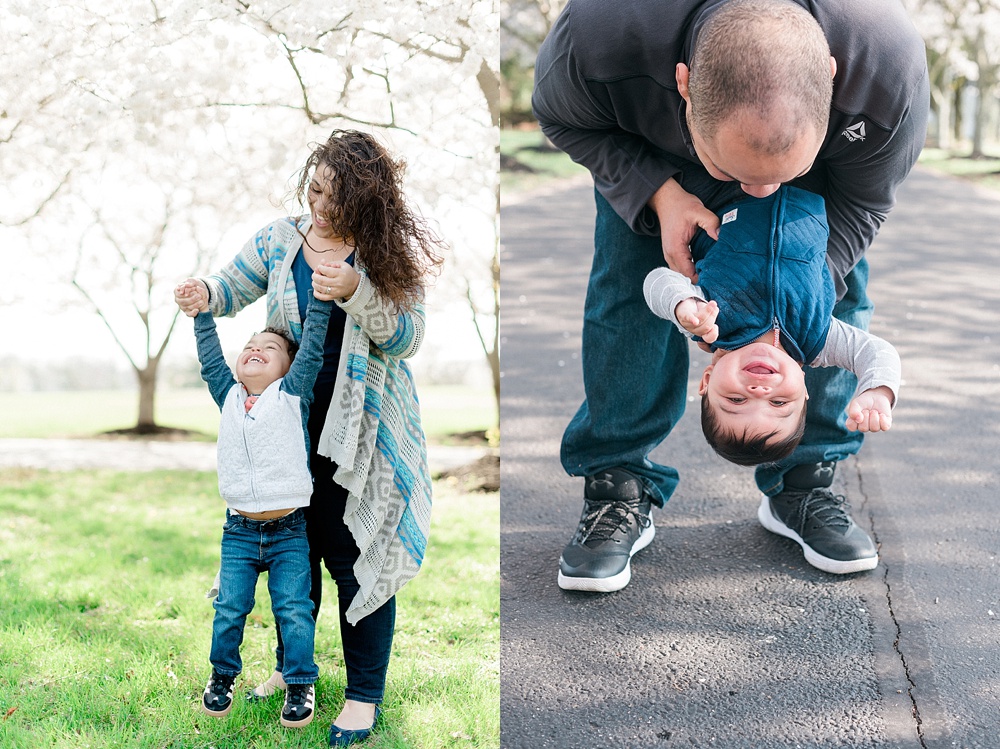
(698, 318)
(192, 297)
(335, 281)
(871, 411)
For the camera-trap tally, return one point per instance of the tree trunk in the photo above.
(147, 396)
(978, 121)
(943, 101)
(958, 116)
(493, 357)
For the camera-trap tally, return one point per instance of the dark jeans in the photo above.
(635, 370)
(368, 643)
(280, 548)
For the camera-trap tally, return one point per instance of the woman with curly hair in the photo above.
(361, 247)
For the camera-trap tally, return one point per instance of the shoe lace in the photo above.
(825, 507)
(297, 694)
(601, 523)
(220, 686)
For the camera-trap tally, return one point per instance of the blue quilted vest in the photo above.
(768, 270)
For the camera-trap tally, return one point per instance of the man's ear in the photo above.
(681, 74)
(705, 377)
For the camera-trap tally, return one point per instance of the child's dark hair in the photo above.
(293, 347)
(394, 244)
(744, 449)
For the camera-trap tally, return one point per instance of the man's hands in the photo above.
(698, 318)
(681, 214)
(333, 281)
(871, 411)
(191, 296)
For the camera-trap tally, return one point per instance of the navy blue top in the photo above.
(302, 274)
(768, 270)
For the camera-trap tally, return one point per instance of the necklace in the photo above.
(344, 246)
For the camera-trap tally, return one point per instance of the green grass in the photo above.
(984, 172)
(105, 630)
(445, 409)
(538, 167)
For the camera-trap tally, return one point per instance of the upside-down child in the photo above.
(764, 307)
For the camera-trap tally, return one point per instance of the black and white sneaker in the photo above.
(807, 512)
(217, 700)
(299, 702)
(615, 524)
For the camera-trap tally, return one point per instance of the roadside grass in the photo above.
(984, 172)
(445, 410)
(105, 628)
(527, 162)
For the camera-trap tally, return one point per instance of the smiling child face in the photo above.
(263, 360)
(756, 390)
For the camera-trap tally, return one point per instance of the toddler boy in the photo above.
(264, 477)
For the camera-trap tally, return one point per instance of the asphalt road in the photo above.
(726, 637)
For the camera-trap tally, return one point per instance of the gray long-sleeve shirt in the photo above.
(873, 360)
(606, 94)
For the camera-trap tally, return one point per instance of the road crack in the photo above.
(898, 634)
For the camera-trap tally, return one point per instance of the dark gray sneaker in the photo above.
(217, 699)
(300, 702)
(615, 524)
(807, 512)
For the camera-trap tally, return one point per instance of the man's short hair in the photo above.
(764, 58)
(748, 449)
(293, 347)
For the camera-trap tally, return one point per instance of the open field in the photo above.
(445, 410)
(105, 628)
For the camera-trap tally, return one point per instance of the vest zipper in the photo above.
(246, 448)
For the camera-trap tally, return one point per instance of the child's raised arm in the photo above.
(214, 370)
(301, 376)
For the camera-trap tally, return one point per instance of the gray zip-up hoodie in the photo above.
(263, 453)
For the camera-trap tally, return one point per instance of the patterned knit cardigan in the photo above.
(372, 429)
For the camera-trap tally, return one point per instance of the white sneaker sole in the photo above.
(298, 723)
(217, 713)
(833, 566)
(615, 582)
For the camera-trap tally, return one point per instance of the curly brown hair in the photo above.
(395, 245)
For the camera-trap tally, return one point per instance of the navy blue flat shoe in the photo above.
(345, 736)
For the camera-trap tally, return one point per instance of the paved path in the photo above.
(151, 455)
(725, 637)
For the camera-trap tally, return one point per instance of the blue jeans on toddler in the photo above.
(635, 367)
(280, 548)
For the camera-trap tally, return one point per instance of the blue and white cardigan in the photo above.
(372, 430)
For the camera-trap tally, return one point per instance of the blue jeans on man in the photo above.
(280, 548)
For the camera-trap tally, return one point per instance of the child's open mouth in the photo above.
(759, 368)
(256, 359)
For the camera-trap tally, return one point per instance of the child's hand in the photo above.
(192, 297)
(871, 411)
(698, 318)
(335, 281)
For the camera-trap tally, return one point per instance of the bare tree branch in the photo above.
(41, 206)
